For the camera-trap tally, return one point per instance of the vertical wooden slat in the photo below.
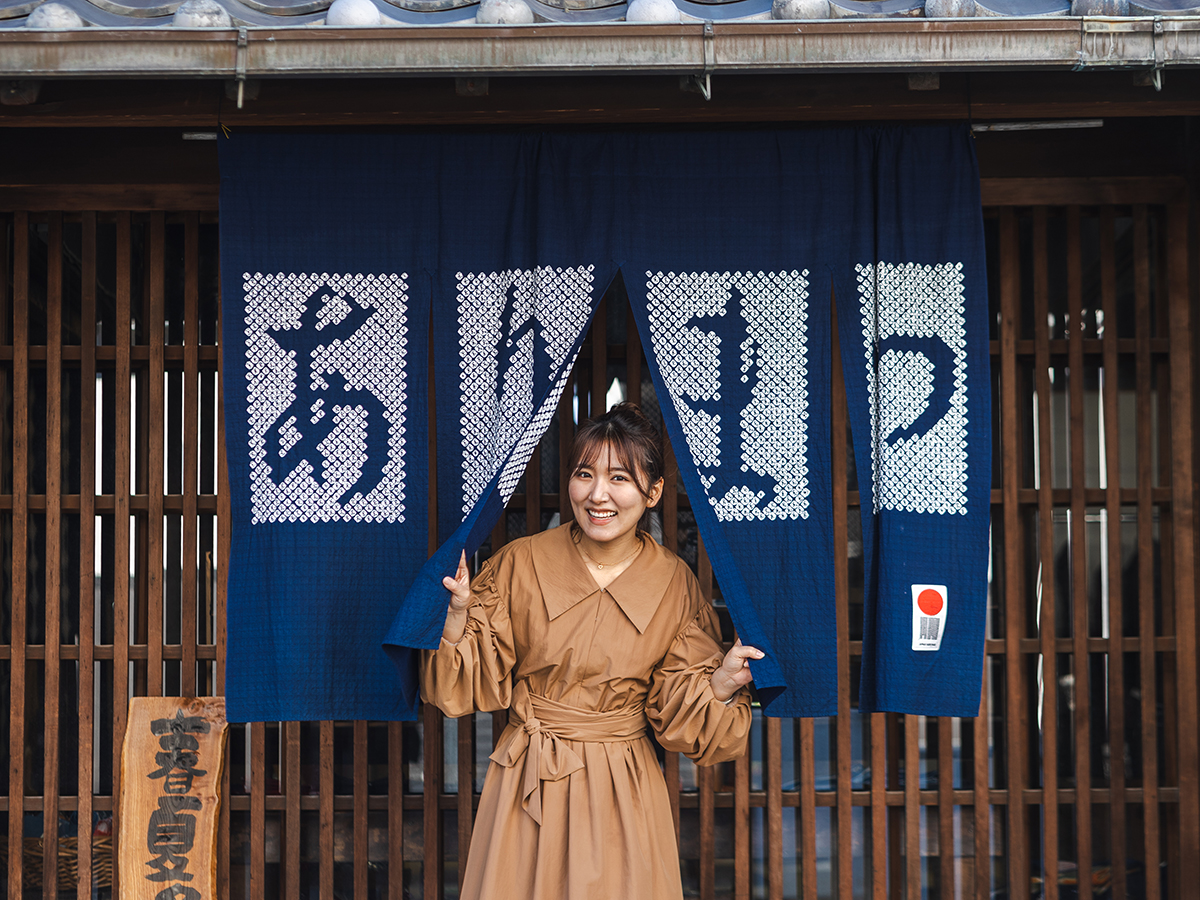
(155, 440)
(633, 361)
(945, 807)
(6, 223)
(895, 769)
(1145, 544)
(7, 228)
(1080, 668)
(20, 541)
(466, 790)
(291, 811)
(841, 589)
(533, 492)
(808, 812)
(500, 531)
(773, 757)
(706, 822)
(741, 827)
(1112, 507)
(325, 813)
(981, 809)
(1049, 686)
(879, 867)
(222, 883)
(1168, 700)
(1015, 709)
(87, 548)
(395, 811)
(191, 446)
(432, 820)
(121, 557)
(361, 815)
(224, 528)
(257, 750)
(1183, 548)
(53, 626)
(912, 808)
(598, 405)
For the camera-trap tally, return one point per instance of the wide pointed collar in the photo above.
(565, 580)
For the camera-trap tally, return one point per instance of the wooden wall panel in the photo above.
(1060, 775)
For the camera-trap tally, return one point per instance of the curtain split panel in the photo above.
(348, 259)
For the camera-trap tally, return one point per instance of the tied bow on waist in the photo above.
(535, 738)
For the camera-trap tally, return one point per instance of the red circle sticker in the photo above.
(930, 602)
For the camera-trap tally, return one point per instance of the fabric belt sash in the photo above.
(537, 729)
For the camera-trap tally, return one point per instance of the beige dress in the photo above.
(575, 806)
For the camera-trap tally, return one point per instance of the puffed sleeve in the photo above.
(681, 707)
(474, 674)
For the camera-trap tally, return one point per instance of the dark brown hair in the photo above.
(634, 440)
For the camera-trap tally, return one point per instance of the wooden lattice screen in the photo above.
(1084, 759)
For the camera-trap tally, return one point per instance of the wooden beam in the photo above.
(203, 197)
(772, 97)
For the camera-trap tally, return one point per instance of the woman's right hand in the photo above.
(460, 585)
(460, 599)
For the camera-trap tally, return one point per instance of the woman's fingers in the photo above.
(739, 656)
(460, 585)
(735, 669)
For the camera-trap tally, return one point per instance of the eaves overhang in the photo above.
(864, 45)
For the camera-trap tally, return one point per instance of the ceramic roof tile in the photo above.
(301, 13)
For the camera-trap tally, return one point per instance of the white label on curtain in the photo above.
(929, 616)
(756, 468)
(516, 330)
(916, 330)
(326, 395)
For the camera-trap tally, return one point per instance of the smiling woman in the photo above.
(588, 634)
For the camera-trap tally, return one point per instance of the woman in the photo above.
(588, 633)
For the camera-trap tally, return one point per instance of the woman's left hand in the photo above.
(734, 673)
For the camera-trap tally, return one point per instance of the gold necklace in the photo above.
(600, 565)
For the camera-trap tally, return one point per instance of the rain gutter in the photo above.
(933, 45)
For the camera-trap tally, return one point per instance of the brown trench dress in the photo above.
(575, 806)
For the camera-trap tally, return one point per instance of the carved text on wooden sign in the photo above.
(171, 767)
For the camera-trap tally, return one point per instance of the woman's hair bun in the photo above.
(628, 406)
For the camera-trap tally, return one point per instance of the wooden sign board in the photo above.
(171, 766)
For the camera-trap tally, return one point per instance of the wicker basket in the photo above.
(68, 861)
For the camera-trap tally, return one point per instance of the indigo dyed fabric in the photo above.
(729, 273)
(525, 255)
(913, 328)
(494, 249)
(325, 320)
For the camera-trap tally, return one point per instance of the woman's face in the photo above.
(606, 500)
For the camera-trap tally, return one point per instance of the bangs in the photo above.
(590, 444)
